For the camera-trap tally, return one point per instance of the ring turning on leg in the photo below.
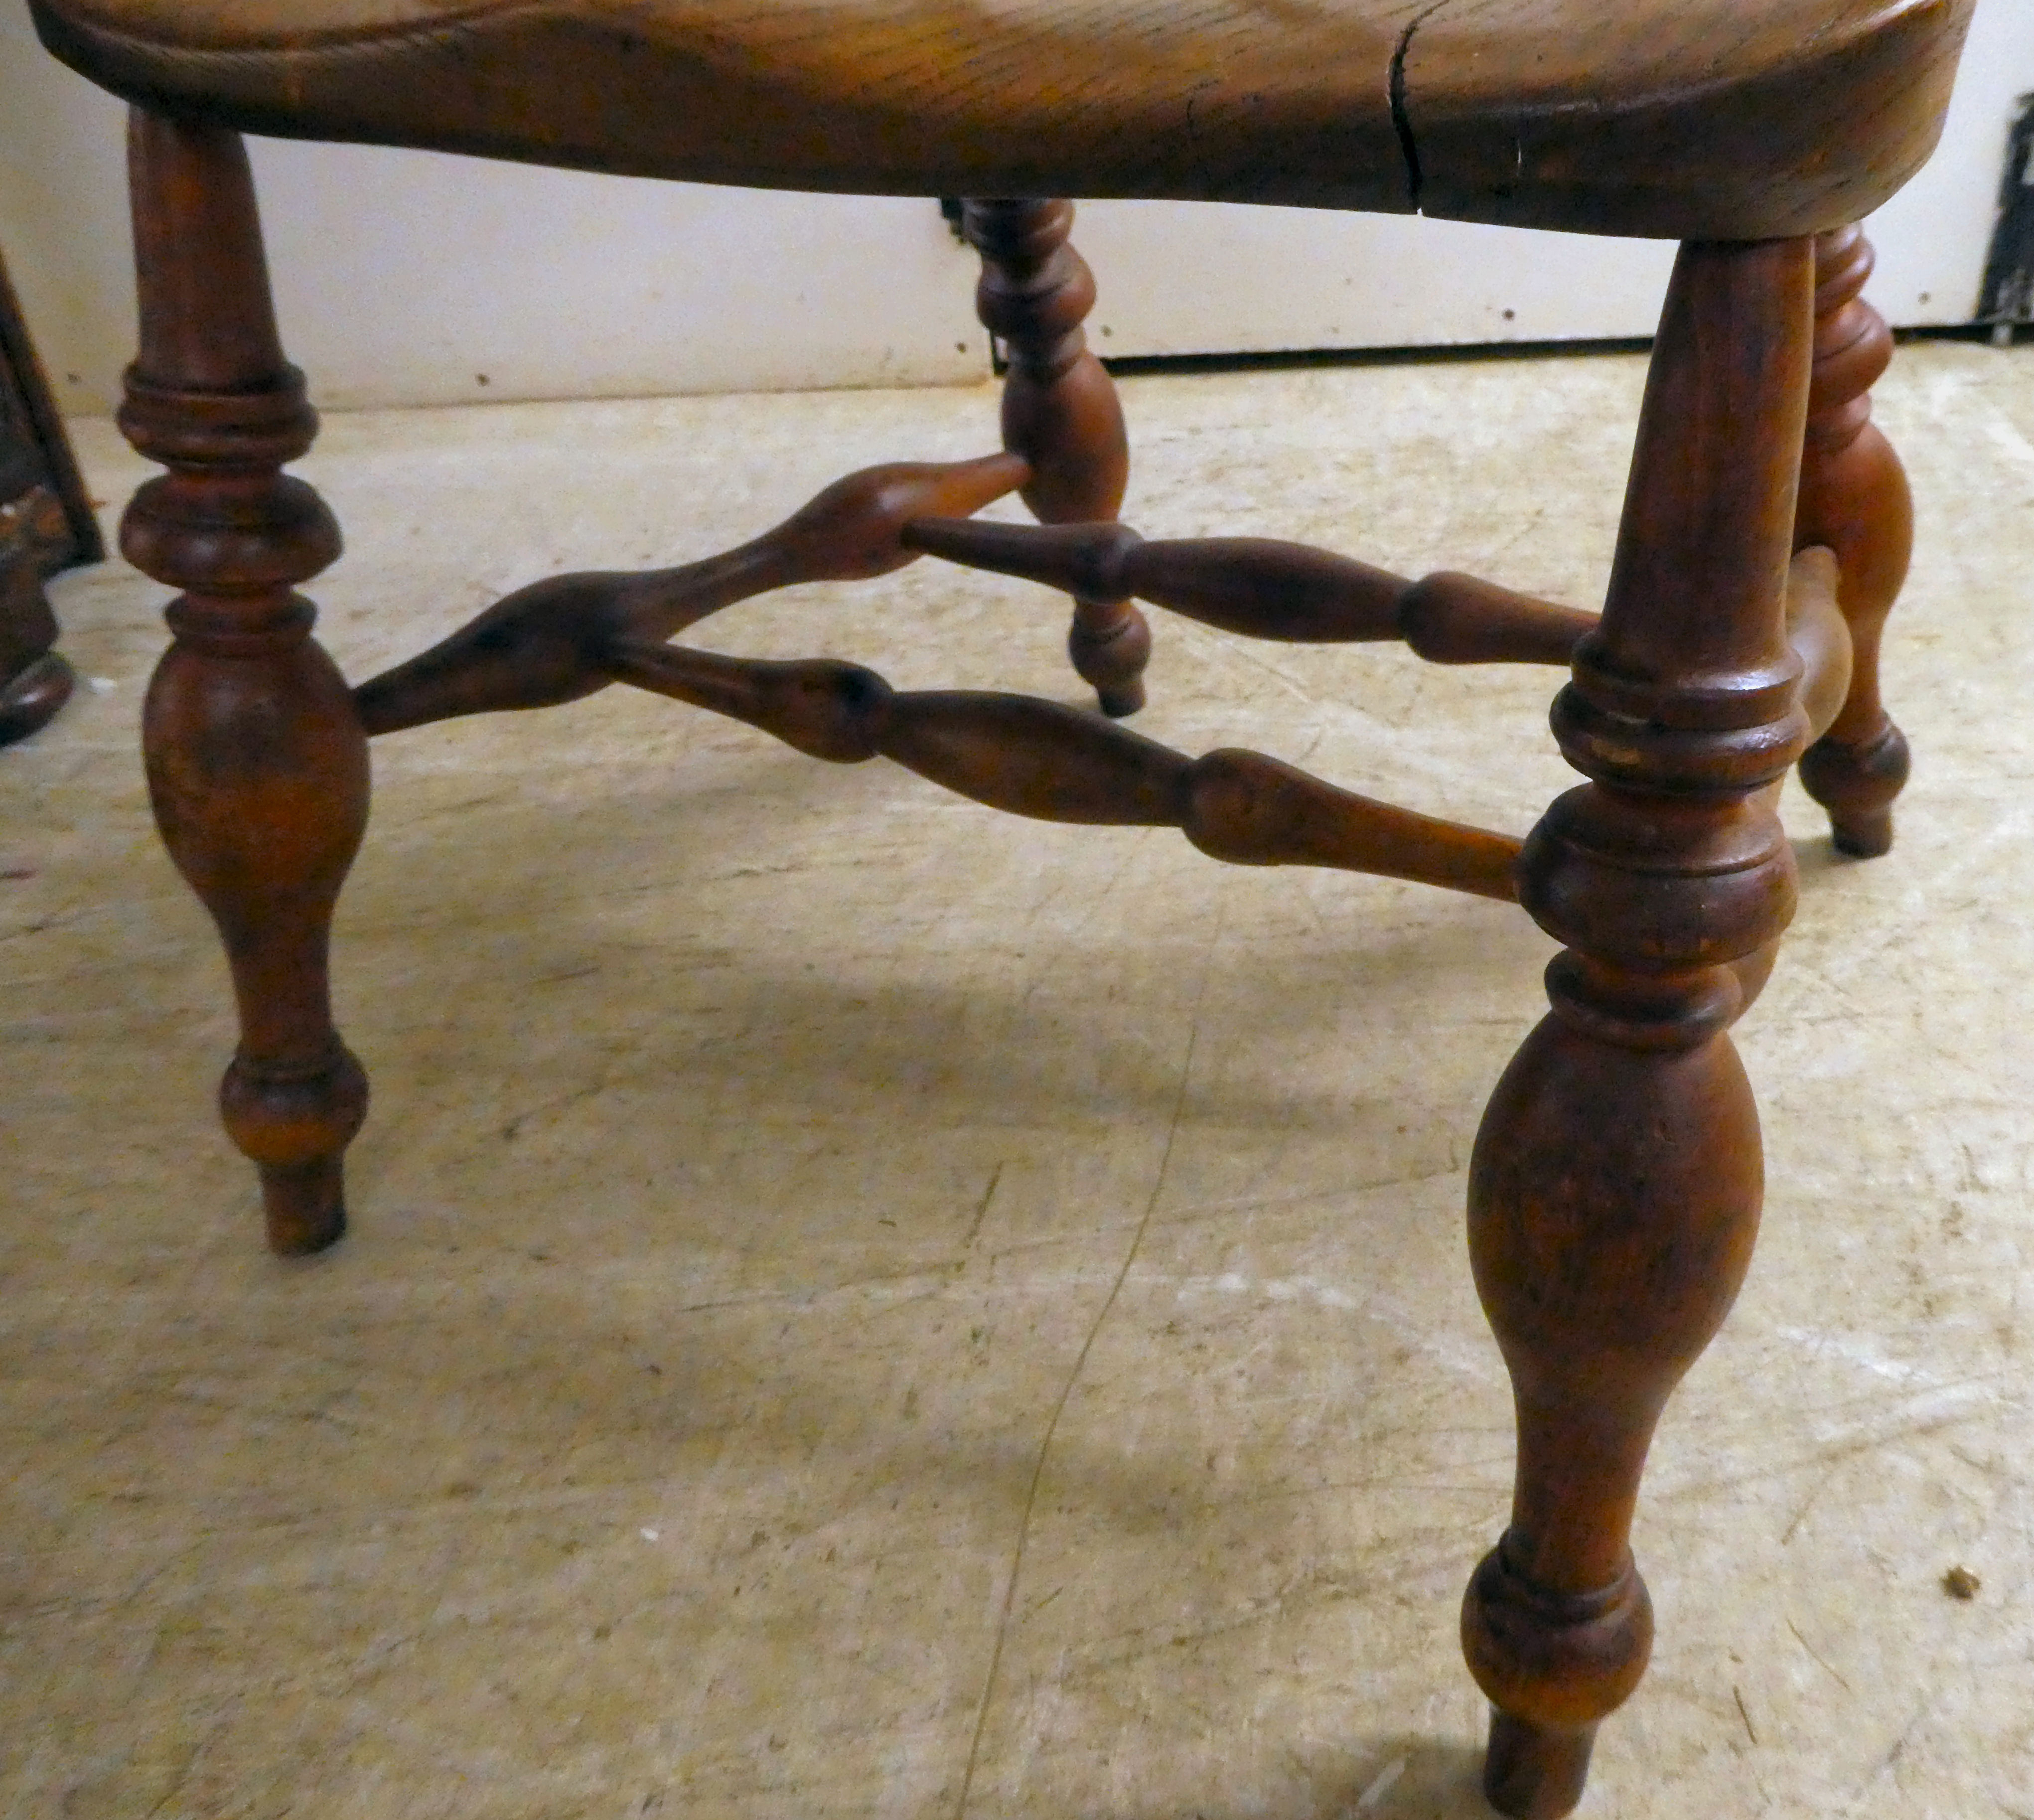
(1854, 500)
(257, 763)
(1060, 412)
(1615, 1188)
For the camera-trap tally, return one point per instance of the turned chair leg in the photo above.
(1854, 500)
(257, 764)
(1615, 1187)
(1060, 412)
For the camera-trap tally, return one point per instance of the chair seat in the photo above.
(1734, 119)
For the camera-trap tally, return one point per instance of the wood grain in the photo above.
(1854, 500)
(1615, 1186)
(1265, 588)
(1673, 118)
(541, 645)
(1055, 764)
(1061, 413)
(257, 763)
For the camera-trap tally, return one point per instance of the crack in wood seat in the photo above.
(1726, 119)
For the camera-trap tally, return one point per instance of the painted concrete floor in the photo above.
(856, 1306)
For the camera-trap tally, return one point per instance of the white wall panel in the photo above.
(402, 277)
(1188, 278)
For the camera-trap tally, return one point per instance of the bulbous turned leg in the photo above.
(1613, 1197)
(1615, 1187)
(257, 763)
(1060, 412)
(1854, 499)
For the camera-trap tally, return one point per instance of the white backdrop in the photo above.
(1387, 281)
(405, 277)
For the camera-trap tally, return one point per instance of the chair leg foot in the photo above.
(35, 681)
(295, 1125)
(31, 698)
(304, 1205)
(1110, 645)
(1856, 785)
(1854, 500)
(1536, 1772)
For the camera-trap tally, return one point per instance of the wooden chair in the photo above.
(1616, 1183)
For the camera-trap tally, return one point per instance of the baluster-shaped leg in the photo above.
(1854, 499)
(1616, 1183)
(1060, 413)
(257, 765)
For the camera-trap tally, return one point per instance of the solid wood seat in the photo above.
(1735, 119)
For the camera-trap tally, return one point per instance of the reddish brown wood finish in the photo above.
(1854, 499)
(1616, 1182)
(1263, 588)
(1820, 637)
(1061, 413)
(46, 524)
(32, 696)
(543, 645)
(1737, 119)
(257, 764)
(34, 681)
(1042, 759)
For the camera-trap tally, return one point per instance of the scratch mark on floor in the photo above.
(1892, 1756)
(1742, 1714)
(982, 1212)
(1814, 1491)
(1052, 1426)
(1805, 1644)
(559, 979)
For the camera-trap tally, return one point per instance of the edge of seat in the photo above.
(1801, 147)
(1796, 147)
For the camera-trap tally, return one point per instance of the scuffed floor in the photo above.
(858, 1307)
